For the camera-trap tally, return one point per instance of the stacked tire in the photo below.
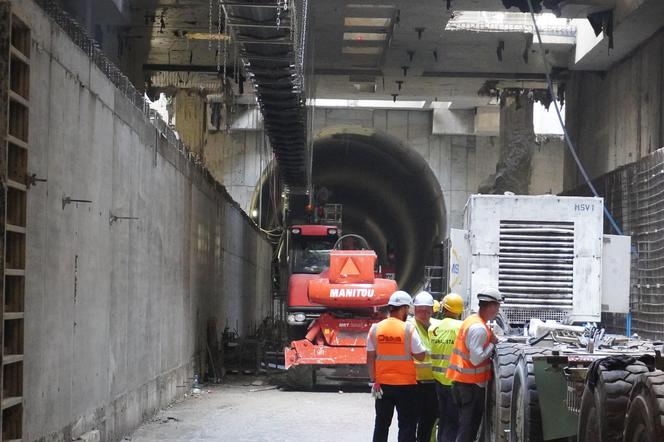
(645, 414)
(604, 404)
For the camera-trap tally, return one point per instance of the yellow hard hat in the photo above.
(436, 306)
(453, 303)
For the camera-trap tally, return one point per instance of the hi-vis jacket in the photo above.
(394, 360)
(461, 368)
(441, 337)
(423, 368)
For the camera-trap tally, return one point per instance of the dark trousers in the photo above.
(403, 398)
(470, 400)
(427, 410)
(448, 414)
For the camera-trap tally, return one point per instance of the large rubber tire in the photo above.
(434, 432)
(645, 413)
(525, 417)
(588, 425)
(497, 413)
(300, 378)
(603, 408)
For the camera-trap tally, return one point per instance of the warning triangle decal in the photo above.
(349, 268)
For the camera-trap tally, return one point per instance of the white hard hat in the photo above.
(399, 299)
(423, 298)
(489, 294)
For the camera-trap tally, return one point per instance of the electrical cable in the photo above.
(534, 341)
(568, 140)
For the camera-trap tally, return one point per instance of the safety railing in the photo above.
(80, 37)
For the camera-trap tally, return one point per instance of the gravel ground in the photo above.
(239, 411)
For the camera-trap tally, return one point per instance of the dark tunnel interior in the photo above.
(389, 195)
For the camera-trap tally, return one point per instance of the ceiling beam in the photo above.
(156, 67)
(348, 71)
(487, 75)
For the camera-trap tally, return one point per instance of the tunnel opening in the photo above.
(389, 195)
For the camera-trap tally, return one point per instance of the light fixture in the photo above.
(364, 36)
(367, 22)
(206, 36)
(362, 50)
(296, 318)
(375, 104)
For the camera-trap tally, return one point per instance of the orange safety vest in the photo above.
(394, 361)
(461, 369)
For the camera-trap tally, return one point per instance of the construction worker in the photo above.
(441, 338)
(470, 364)
(427, 402)
(391, 346)
(436, 309)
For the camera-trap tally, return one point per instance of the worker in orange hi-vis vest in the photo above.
(470, 364)
(391, 346)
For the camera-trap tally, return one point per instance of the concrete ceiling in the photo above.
(445, 65)
(442, 65)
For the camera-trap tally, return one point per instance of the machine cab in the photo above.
(309, 249)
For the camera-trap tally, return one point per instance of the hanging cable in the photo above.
(311, 86)
(568, 140)
(210, 29)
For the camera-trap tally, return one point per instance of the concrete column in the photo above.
(517, 139)
(190, 118)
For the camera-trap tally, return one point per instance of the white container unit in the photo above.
(544, 253)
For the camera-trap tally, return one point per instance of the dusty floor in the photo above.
(239, 411)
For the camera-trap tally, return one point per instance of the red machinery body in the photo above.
(350, 292)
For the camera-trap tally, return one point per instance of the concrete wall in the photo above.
(616, 118)
(460, 163)
(235, 159)
(116, 314)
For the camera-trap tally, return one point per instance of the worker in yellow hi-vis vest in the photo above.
(441, 339)
(427, 402)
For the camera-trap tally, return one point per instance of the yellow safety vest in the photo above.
(423, 368)
(441, 339)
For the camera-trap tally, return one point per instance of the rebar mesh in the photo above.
(634, 194)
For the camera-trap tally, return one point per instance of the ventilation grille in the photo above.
(536, 269)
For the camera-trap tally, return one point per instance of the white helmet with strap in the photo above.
(423, 299)
(399, 299)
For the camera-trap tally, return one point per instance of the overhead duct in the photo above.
(270, 37)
